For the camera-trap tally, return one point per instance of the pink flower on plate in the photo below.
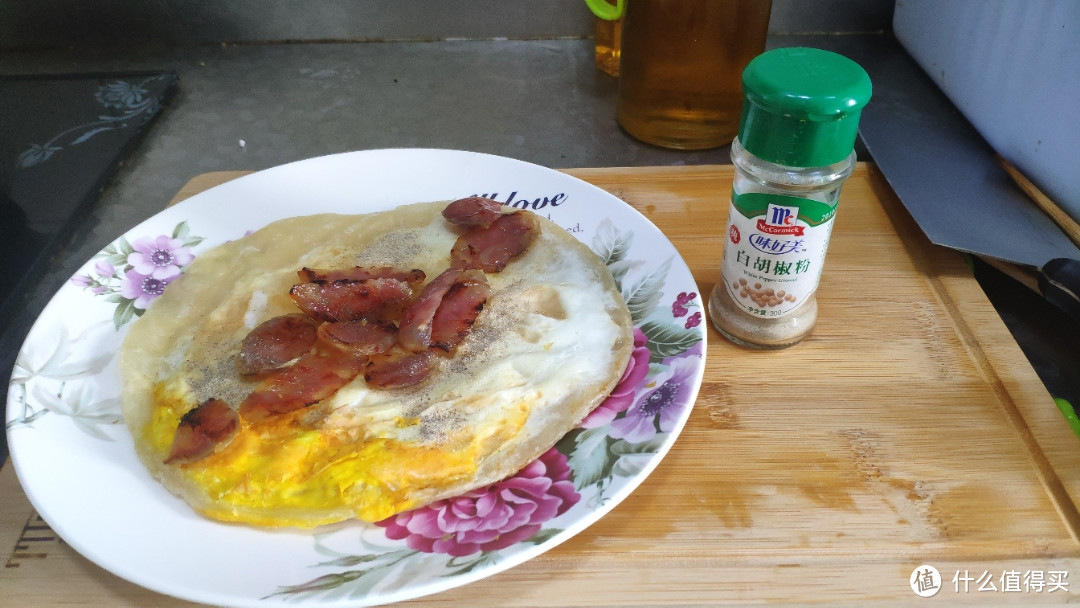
(623, 394)
(693, 320)
(490, 518)
(160, 257)
(141, 288)
(678, 307)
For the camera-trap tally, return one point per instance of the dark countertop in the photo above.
(254, 106)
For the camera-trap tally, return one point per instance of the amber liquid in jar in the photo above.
(681, 67)
(608, 42)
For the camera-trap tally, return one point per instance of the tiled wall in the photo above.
(126, 23)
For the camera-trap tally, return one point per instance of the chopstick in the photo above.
(1064, 221)
(1024, 275)
(1057, 280)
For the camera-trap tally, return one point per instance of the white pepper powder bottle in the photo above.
(792, 154)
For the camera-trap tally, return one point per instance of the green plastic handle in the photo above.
(604, 9)
(1069, 413)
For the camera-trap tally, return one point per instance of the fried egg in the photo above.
(550, 343)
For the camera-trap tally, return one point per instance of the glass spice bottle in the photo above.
(792, 154)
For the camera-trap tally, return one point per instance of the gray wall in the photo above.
(28, 24)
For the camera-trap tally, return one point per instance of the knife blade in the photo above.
(948, 177)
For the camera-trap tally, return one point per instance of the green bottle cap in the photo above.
(802, 106)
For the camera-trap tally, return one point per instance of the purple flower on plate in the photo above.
(131, 274)
(693, 320)
(490, 518)
(141, 288)
(623, 394)
(659, 408)
(160, 258)
(104, 269)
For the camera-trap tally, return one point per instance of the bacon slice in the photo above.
(210, 425)
(346, 300)
(361, 337)
(399, 369)
(491, 249)
(314, 377)
(473, 212)
(460, 306)
(359, 273)
(414, 330)
(275, 342)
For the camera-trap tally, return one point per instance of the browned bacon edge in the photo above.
(363, 319)
(460, 307)
(491, 249)
(399, 369)
(414, 331)
(473, 212)
(346, 300)
(275, 342)
(413, 277)
(360, 336)
(202, 430)
(314, 377)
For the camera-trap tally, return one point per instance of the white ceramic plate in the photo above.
(77, 463)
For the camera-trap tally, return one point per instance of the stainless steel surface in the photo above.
(1011, 67)
(944, 171)
(947, 177)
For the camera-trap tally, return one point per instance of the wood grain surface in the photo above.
(909, 429)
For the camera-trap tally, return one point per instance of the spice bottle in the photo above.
(793, 151)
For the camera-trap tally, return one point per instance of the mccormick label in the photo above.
(775, 250)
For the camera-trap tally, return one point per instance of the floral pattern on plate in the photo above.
(67, 368)
(133, 274)
(622, 435)
(129, 275)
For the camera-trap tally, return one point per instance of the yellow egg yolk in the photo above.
(286, 469)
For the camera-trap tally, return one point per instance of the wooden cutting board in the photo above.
(908, 430)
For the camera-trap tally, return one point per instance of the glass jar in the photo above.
(679, 67)
(793, 152)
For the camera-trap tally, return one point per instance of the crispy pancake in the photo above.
(551, 342)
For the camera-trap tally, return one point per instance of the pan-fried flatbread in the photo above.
(549, 345)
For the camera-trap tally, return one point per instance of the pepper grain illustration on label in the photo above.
(775, 250)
